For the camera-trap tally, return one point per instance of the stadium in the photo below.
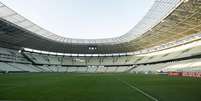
(159, 59)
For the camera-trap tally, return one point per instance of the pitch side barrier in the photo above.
(185, 74)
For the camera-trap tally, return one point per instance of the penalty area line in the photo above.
(139, 90)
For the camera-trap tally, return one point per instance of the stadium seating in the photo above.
(12, 56)
(72, 69)
(22, 67)
(111, 69)
(62, 69)
(8, 68)
(92, 69)
(13, 60)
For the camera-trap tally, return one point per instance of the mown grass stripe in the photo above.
(139, 90)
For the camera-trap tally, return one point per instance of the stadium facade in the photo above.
(166, 39)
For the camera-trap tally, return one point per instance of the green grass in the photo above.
(97, 87)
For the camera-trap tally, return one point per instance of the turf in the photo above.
(97, 87)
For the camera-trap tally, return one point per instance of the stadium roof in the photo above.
(166, 21)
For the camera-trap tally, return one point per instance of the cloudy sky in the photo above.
(86, 19)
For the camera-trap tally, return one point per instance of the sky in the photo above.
(83, 19)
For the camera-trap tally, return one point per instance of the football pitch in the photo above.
(97, 87)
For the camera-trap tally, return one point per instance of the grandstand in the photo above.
(167, 40)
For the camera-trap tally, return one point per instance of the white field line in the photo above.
(139, 90)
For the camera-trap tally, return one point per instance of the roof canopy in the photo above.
(167, 20)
